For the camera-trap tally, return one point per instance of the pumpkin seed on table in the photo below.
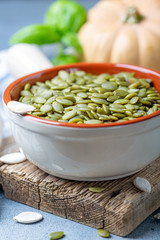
(56, 235)
(80, 97)
(142, 184)
(103, 233)
(28, 217)
(96, 189)
(157, 216)
(13, 158)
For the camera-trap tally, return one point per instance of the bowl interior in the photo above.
(13, 90)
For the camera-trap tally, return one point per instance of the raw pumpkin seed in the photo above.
(57, 107)
(103, 233)
(13, 158)
(92, 121)
(157, 216)
(41, 100)
(64, 101)
(121, 93)
(69, 115)
(25, 93)
(96, 189)
(109, 86)
(99, 100)
(56, 235)
(80, 97)
(46, 108)
(28, 217)
(142, 184)
(27, 87)
(134, 100)
(20, 108)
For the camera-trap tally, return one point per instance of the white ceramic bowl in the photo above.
(82, 151)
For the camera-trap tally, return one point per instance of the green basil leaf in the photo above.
(36, 34)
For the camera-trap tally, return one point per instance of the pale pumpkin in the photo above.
(123, 31)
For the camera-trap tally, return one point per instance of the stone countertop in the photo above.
(11, 230)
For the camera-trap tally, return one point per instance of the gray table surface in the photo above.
(13, 16)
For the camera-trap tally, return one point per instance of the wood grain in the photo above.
(119, 209)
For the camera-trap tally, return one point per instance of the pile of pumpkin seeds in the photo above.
(80, 97)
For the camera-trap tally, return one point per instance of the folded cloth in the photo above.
(5, 80)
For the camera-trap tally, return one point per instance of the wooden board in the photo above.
(119, 209)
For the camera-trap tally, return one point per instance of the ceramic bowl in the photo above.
(83, 151)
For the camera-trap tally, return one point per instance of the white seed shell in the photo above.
(28, 217)
(157, 216)
(142, 184)
(13, 158)
(20, 108)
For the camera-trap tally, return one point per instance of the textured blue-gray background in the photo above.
(13, 16)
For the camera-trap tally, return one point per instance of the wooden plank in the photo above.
(119, 209)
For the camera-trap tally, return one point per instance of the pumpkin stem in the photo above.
(133, 16)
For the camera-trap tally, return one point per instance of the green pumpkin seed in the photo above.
(56, 235)
(114, 118)
(50, 100)
(84, 109)
(142, 92)
(27, 100)
(64, 101)
(130, 95)
(116, 105)
(122, 101)
(96, 189)
(37, 113)
(99, 100)
(27, 87)
(155, 108)
(93, 106)
(154, 97)
(39, 100)
(109, 86)
(94, 114)
(63, 74)
(99, 95)
(121, 93)
(119, 115)
(46, 108)
(25, 93)
(57, 107)
(134, 100)
(100, 110)
(138, 114)
(69, 115)
(104, 117)
(80, 73)
(80, 97)
(103, 233)
(106, 109)
(117, 110)
(46, 94)
(145, 102)
(90, 115)
(112, 98)
(92, 121)
(83, 101)
(135, 85)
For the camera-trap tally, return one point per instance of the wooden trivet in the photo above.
(120, 208)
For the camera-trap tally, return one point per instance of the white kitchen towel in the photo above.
(5, 80)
